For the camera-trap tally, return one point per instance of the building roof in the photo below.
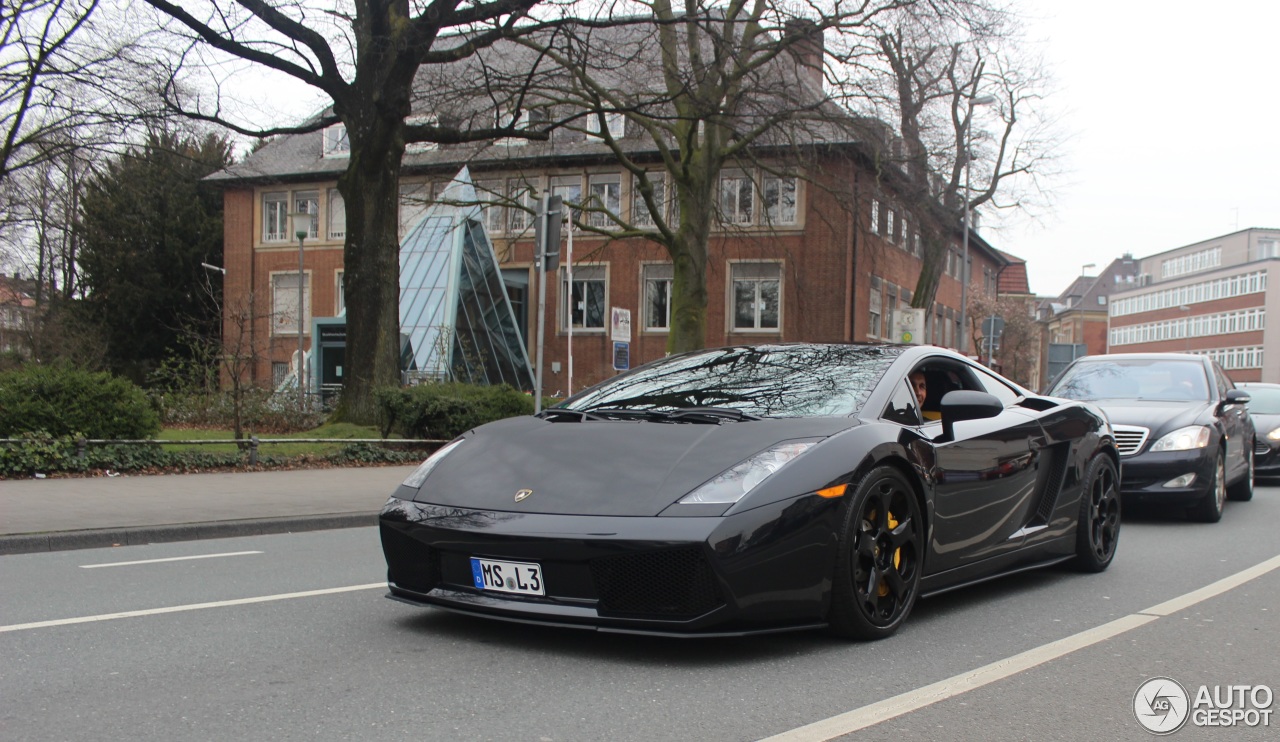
(16, 291)
(1013, 277)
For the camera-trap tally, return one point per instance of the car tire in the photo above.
(1209, 509)
(879, 559)
(1242, 491)
(1098, 529)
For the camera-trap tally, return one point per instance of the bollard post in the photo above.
(81, 445)
(253, 450)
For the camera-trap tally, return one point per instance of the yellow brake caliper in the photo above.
(883, 587)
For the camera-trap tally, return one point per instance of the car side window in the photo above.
(994, 386)
(902, 407)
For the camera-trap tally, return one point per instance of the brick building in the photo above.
(1210, 298)
(812, 244)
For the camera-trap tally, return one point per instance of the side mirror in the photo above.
(1235, 396)
(964, 404)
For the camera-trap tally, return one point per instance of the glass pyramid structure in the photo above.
(454, 309)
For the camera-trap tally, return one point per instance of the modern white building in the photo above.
(1209, 298)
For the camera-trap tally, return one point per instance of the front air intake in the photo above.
(668, 583)
(411, 564)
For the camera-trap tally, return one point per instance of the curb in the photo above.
(26, 543)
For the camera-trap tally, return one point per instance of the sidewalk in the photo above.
(85, 513)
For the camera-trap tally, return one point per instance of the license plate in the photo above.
(521, 578)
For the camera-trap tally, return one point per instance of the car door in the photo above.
(984, 483)
(1236, 425)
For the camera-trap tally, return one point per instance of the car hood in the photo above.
(1159, 416)
(1265, 423)
(610, 468)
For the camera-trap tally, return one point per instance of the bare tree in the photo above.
(737, 84)
(363, 58)
(972, 126)
(1015, 351)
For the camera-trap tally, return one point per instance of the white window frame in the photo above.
(335, 215)
(875, 216)
(519, 122)
(582, 274)
(334, 141)
(779, 212)
(275, 216)
(284, 302)
(489, 196)
(606, 193)
(521, 192)
(339, 292)
(640, 215)
(737, 207)
(615, 123)
(757, 275)
(662, 277)
(413, 201)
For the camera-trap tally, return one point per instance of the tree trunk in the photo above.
(689, 259)
(371, 278)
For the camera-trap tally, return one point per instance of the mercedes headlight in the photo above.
(1184, 439)
(729, 486)
(1274, 435)
(419, 475)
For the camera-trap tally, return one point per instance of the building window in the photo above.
(874, 304)
(757, 290)
(489, 194)
(737, 196)
(275, 217)
(523, 199)
(779, 196)
(640, 214)
(336, 212)
(657, 297)
(586, 298)
(336, 141)
(875, 216)
(421, 120)
(1268, 249)
(569, 189)
(284, 303)
(308, 202)
(505, 118)
(890, 306)
(615, 122)
(339, 294)
(888, 224)
(606, 200)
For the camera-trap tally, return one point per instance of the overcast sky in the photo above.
(1175, 111)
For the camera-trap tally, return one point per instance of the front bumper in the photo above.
(1143, 476)
(766, 569)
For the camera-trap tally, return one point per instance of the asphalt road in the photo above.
(223, 647)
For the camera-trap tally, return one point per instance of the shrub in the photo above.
(63, 400)
(37, 451)
(446, 410)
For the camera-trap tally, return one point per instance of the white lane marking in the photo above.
(905, 703)
(169, 559)
(191, 607)
(1213, 590)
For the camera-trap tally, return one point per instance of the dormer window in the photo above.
(504, 119)
(616, 123)
(421, 120)
(336, 142)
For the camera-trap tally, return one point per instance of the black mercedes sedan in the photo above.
(757, 488)
(1186, 438)
(1264, 408)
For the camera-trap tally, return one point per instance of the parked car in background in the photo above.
(753, 489)
(1185, 435)
(1264, 408)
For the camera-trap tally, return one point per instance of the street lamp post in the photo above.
(984, 100)
(301, 229)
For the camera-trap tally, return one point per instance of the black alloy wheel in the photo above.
(1098, 531)
(1209, 509)
(1242, 491)
(877, 576)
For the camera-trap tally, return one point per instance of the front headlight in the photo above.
(1184, 439)
(1274, 435)
(419, 475)
(729, 486)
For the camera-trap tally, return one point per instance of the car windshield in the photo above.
(1133, 379)
(1263, 400)
(765, 381)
